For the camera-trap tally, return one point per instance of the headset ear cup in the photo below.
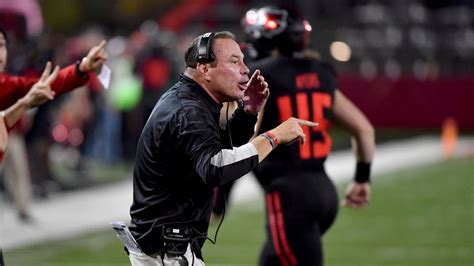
(204, 48)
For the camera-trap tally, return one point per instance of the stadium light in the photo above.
(340, 51)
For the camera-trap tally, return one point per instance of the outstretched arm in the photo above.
(69, 78)
(77, 75)
(39, 94)
(229, 164)
(286, 132)
(353, 120)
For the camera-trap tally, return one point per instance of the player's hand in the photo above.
(41, 91)
(291, 130)
(357, 195)
(94, 59)
(256, 94)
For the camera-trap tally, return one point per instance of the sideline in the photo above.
(71, 214)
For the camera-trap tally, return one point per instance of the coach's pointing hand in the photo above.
(286, 132)
(291, 130)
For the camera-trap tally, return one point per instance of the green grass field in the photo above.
(416, 217)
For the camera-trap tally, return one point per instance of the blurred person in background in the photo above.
(182, 154)
(61, 131)
(301, 200)
(81, 114)
(156, 71)
(13, 88)
(16, 184)
(103, 141)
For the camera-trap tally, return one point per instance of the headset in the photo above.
(204, 48)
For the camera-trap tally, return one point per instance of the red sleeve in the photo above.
(68, 80)
(13, 88)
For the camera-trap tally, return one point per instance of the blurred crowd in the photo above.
(92, 126)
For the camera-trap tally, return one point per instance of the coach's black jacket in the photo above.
(182, 155)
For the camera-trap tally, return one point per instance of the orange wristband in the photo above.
(271, 135)
(271, 138)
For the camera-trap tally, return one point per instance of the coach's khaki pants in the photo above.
(186, 260)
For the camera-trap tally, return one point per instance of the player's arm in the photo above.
(69, 78)
(77, 75)
(13, 88)
(348, 116)
(39, 94)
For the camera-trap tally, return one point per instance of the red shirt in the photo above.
(13, 88)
